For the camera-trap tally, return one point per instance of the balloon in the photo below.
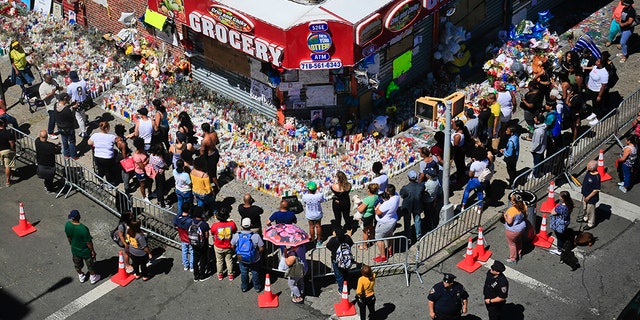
(437, 55)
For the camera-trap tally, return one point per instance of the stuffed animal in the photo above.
(379, 125)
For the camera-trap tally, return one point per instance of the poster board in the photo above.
(42, 6)
(57, 10)
(320, 96)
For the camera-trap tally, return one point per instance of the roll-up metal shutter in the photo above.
(493, 19)
(229, 84)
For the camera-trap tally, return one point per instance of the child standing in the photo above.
(365, 292)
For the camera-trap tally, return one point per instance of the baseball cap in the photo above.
(430, 172)
(312, 185)
(246, 222)
(448, 278)
(498, 266)
(73, 75)
(412, 175)
(74, 214)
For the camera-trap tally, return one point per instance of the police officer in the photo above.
(496, 289)
(447, 299)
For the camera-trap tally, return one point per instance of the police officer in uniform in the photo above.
(447, 299)
(496, 289)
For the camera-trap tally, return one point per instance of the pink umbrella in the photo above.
(286, 235)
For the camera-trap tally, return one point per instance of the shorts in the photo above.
(78, 263)
(368, 221)
(384, 230)
(8, 158)
(141, 176)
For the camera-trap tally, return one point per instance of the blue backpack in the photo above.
(557, 126)
(246, 251)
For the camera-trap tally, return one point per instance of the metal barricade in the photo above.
(547, 170)
(320, 264)
(445, 234)
(593, 139)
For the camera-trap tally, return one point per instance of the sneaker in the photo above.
(205, 278)
(318, 244)
(186, 268)
(555, 251)
(623, 189)
(94, 278)
(191, 270)
(377, 259)
(588, 228)
(591, 116)
(53, 136)
(230, 277)
(389, 252)
(82, 277)
(382, 259)
(220, 277)
(621, 183)
(593, 122)
(129, 269)
(82, 134)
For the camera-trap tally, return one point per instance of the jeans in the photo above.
(296, 285)
(187, 255)
(206, 201)
(473, 184)
(184, 197)
(52, 121)
(537, 158)
(626, 173)
(69, 144)
(624, 38)
(244, 276)
(341, 275)
(125, 179)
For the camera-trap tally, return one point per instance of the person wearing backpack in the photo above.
(480, 162)
(182, 222)
(199, 240)
(138, 250)
(121, 233)
(248, 247)
(341, 257)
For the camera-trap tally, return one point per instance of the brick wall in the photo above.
(106, 20)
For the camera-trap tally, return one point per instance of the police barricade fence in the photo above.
(320, 264)
(593, 139)
(436, 240)
(628, 109)
(26, 151)
(539, 176)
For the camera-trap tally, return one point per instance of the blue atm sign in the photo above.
(320, 56)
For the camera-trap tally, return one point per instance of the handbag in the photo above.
(127, 164)
(494, 143)
(45, 172)
(150, 170)
(296, 270)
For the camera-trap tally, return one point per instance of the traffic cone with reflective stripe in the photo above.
(267, 299)
(469, 263)
(480, 252)
(604, 176)
(344, 307)
(122, 278)
(548, 205)
(542, 239)
(24, 227)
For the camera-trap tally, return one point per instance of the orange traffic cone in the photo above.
(268, 299)
(122, 278)
(548, 205)
(542, 239)
(604, 176)
(480, 253)
(469, 263)
(344, 307)
(24, 227)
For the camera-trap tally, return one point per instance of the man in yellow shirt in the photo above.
(494, 120)
(21, 70)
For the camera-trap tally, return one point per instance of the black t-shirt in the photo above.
(253, 213)
(495, 287)
(576, 104)
(627, 13)
(333, 244)
(483, 118)
(5, 137)
(45, 153)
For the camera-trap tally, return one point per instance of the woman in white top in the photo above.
(597, 90)
(103, 144)
(144, 128)
(506, 99)
(386, 217)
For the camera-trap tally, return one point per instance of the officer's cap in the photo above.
(448, 278)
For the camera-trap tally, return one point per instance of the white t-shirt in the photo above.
(103, 145)
(44, 90)
(506, 107)
(477, 167)
(382, 180)
(145, 130)
(313, 209)
(597, 77)
(389, 210)
(77, 91)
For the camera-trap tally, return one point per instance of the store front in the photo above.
(328, 57)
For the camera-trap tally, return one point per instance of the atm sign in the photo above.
(320, 57)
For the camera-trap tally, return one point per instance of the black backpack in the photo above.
(196, 238)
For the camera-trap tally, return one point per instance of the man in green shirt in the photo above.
(81, 246)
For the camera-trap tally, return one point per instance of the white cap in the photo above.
(246, 222)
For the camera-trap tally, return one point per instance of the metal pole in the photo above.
(446, 212)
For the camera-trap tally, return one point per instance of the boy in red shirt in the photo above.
(222, 232)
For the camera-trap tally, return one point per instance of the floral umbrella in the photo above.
(286, 235)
